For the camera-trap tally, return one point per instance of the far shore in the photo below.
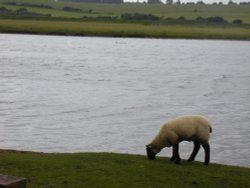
(102, 29)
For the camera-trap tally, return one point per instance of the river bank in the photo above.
(110, 29)
(117, 170)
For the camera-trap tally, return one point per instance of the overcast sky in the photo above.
(205, 1)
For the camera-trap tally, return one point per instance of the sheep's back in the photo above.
(190, 127)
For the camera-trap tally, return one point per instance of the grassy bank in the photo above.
(117, 170)
(123, 29)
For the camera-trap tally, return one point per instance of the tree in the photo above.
(237, 21)
(200, 2)
(230, 2)
(154, 2)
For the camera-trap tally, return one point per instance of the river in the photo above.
(94, 94)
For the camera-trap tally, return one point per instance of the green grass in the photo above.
(123, 29)
(117, 170)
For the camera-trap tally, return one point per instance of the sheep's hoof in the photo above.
(172, 159)
(178, 162)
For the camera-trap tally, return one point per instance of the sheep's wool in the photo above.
(192, 127)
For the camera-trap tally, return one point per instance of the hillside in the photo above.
(78, 10)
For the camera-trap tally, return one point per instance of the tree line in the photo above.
(230, 2)
(96, 1)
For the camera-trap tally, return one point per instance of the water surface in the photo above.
(78, 94)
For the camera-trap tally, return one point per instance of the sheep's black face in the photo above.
(151, 155)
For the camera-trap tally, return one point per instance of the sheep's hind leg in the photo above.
(176, 156)
(207, 152)
(195, 151)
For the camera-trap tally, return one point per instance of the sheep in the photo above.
(194, 128)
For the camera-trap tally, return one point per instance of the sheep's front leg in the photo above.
(173, 156)
(195, 151)
(176, 156)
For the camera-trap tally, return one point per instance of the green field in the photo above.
(85, 21)
(229, 12)
(117, 170)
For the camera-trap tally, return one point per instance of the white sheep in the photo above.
(189, 128)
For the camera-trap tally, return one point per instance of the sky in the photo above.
(205, 1)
